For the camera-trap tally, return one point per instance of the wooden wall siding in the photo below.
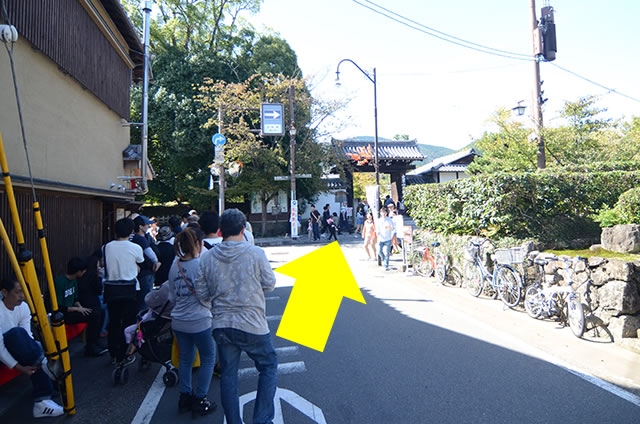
(62, 30)
(73, 227)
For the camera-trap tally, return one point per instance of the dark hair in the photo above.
(76, 264)
(185, 215)
(174, 221)
(209, 222)
(8, 283)
(188, 241)
(124, 227)
(232, 222)
(313, 206)
(335, 214)
(193, 225)
(138, 222)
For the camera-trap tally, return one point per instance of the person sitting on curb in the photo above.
(19, 350)
(69, 304)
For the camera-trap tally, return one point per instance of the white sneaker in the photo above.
(47, 408)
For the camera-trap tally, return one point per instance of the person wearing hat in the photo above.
(148, 268)
(166, 255)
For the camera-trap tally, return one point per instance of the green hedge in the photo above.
(544, 206)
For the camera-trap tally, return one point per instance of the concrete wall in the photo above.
(72, 136)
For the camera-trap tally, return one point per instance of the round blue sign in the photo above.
(218, 139)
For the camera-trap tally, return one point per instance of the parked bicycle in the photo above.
(430, 262)
(561, 302)
(505, 281)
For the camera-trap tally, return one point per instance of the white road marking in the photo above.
(272, 298)
(274, 317)
(293, 399)
(151, 400)
(286, 368)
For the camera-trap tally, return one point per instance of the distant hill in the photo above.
(431, 153)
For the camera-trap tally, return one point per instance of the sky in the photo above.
(442, 94)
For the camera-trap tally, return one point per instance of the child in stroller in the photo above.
(151, 337)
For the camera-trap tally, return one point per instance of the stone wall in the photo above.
(614, 307)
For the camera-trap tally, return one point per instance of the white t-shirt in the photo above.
(19, 317)
(121, 258)
(385, 229)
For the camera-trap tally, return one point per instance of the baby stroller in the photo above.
(153, 338)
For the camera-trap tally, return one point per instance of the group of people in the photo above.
(329, 224)
(215, 278)
(382, 231)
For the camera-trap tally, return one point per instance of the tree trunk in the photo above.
(264, 215)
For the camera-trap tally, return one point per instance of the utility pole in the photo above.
(219, 159)
(292, 171)
(537, 96)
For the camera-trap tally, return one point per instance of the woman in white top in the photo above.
(370, 237)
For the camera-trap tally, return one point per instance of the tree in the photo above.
(264, 158)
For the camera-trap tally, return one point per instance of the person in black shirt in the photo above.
(315, 221)
(166, 255)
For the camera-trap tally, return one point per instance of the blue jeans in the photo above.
(231, 343)
(28, 352)
(316, 230)
(146, 285)
(187, 342)
(385, 245)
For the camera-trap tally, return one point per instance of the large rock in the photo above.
(624, 326)
(621, 238)
(614, 269)
(618, 298)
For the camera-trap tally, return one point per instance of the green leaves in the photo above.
(545, 206)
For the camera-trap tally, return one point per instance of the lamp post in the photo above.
(520, 108)
(375, 110)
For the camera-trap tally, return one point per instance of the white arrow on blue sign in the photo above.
(272, 119)
(218, 139)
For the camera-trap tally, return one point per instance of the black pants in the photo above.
(94, 323)
(332, 233)
(122, 313)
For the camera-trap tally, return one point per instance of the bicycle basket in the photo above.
(514, 255)
(470, 252)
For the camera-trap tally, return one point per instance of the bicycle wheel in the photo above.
(533, 301)
(473, 279)
(575, 315)
(508, 283)
(420, 266)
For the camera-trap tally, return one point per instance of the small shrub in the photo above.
(628, 206)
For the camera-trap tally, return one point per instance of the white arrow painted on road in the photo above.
(274, 114)
(293, 399)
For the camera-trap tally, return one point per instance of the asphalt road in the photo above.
(415, 353)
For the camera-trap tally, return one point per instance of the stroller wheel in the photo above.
(115, 375)
(170, 378)
(124, 376)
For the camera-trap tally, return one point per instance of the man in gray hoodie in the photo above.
(234, 275)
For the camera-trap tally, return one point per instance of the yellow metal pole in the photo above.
(55, 342)
(16, 268)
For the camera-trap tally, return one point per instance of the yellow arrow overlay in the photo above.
(323, 278)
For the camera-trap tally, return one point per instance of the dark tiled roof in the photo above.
(336, 184)
(417, 179)
(389, 150)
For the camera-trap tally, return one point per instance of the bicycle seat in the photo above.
(435, 244)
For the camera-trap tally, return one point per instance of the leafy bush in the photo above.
(544, 206)
(626, 210)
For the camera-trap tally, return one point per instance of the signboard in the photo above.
(287, 177)
(218, 139)
(219, 157)
(294, 218)
(272, 119)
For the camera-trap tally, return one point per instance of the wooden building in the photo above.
(75, 61)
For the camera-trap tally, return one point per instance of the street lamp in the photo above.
(520, 108)
(375, 110)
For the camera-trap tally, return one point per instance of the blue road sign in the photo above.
(218, 139)
(272, 118)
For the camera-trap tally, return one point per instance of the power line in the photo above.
(451, 39)
(611, 90)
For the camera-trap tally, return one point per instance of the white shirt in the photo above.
(385, 229)
(19, 317)
(121, 258)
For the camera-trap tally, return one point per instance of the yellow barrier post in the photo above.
(55, 342)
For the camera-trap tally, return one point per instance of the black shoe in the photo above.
(95, 350)
(200, 407)
(184, 403)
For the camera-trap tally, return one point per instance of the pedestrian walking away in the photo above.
(191, 323)
(234, 275)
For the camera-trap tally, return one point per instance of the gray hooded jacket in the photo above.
(235, 275)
